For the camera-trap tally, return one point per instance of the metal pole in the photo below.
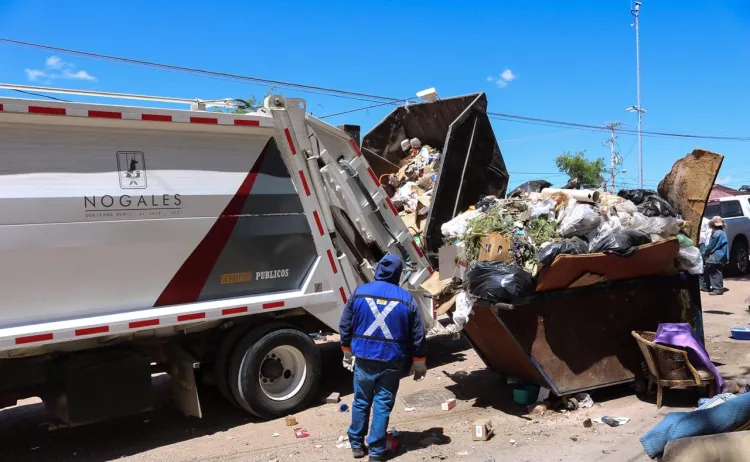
(612, 157)
(640, 108)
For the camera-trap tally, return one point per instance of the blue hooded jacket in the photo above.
(715, 252)
(381, 321)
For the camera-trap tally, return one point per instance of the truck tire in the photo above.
(738, 257)
(227, 347)
(275, 374)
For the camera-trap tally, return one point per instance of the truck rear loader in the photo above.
(136, 239)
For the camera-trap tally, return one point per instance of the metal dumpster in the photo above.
(471, 164)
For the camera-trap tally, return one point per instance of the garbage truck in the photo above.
(136, 240)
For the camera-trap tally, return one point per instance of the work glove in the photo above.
(348, 361)
(419, 368)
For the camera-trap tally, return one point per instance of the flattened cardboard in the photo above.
(650, 260)
(688, 185)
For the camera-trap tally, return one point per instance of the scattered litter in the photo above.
(344, 445)
(543, 394)
(275, 434)
(230, 437)
(343, 407)
(574, 437)
(708, 403)
(587, 423)
(290, 421)
(613, 421)
(333, 398)
(448, 405)
(481, 430)
(410, 409)
(342, 438)
(584, 400)
(393, 432)
(513, 443)
(34, 448)
(318, 446)
(537, 409)
(391, 442)
(462, 453)
(301, 433)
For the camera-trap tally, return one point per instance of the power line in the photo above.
(334, 92)
(42, 96)
(279, 83)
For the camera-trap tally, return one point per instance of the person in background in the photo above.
(380, 328)
(705, 235)
(715, 257)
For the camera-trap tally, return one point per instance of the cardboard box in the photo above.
(481, 430)
(495, 247)
(449, 404)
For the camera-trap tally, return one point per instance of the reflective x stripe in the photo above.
(380, 318)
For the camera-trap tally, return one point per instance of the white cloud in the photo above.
(505, 78)
(34, 75)
(508, 75)
(56, 68)
(53, 62)
(724, 181)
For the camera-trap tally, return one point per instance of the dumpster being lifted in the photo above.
(572, 333)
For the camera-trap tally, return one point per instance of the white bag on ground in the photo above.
(464, 304)
(580, 221)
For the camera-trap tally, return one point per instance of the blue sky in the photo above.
(571, 61)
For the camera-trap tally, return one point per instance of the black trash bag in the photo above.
(655, 206)
(485, 203)
(637, 196)
(498, 282)
(573, 246)
(530, 186)
(624, 242)
(573, 183)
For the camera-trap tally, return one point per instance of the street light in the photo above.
(638, 108)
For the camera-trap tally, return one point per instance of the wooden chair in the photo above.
(670, 367)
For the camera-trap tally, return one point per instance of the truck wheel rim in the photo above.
(742, 260)
(282, 372)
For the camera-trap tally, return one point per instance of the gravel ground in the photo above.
(426, 433)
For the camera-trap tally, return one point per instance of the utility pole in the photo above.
(614, 158)
(635, 11)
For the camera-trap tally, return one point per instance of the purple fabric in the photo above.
(681, 335)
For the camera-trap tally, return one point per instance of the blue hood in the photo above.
(389, 269)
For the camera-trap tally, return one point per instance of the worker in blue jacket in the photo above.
(715, 257)
(382, 328)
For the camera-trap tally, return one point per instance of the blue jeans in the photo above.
(375, 386)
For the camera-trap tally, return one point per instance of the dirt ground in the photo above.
(426, 433)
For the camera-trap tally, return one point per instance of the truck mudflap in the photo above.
(471, 164)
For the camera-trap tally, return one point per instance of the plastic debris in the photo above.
(343, 407)
(410, 409)
(275, 434)
(498, 282)
(448, 404)
(584, 400)
(301, 433)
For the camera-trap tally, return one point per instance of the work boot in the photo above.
(358, 453)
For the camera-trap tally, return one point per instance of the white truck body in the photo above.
(735, 211)
(120, 223)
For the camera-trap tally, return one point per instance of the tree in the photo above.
(590, 173)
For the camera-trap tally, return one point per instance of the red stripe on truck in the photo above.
(144, 323)
(34, 338)
(92, 330)
(289, 140)
(268, 306)
(156, 117)
(191, 317)
(105, 114)
(304, 182)
(373, 176)
(317, 222)
(343, 294)
(333, 262)
(238, 310)
(247, 123)
(416, 247)
(186, 285)
(355, 147)
(47, 110)
(1, 108)
(204, 120)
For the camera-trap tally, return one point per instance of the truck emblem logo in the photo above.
(131, 167)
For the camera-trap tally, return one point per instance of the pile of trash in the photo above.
(410, 189)
(508, 242)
